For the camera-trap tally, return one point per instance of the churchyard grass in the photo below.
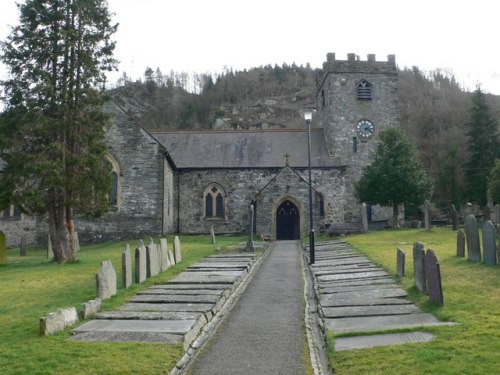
(32, 286)
(471, 298)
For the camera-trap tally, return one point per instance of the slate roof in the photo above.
(245, 149)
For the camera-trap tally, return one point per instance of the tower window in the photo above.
(364, 90)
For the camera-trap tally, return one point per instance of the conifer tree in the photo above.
(52, 132)
(396, 175)
(484, 147)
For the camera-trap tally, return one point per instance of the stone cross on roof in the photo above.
(287, 156)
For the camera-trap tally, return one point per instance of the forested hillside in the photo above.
(434, 109)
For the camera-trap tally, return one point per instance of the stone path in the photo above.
(264, 333)
(357, 296)
(175, 311)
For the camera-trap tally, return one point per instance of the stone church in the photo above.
(188, 182)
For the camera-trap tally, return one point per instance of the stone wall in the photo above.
(17, 226)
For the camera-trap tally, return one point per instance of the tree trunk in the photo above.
(59, 231)
(395, 216)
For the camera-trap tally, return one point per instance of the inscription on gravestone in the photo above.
(489, 243)
(472, 239)
(127, 267)
(400, 268)
(3, 248)
(460, 244)
(419, 266)
(433, 275)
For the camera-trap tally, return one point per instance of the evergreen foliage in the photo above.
(52, 133)
(484, 147)
(396, 175)
(494, 182)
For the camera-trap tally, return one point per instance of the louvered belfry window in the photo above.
(364, 90)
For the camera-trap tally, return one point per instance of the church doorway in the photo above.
(287, 222)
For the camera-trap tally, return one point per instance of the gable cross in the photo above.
(287, 156)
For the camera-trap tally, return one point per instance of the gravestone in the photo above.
(165, 261)
(171, 257)
(400, 267)
(472, 239)
(3, 248)
(106, 280)
(140, 263)
(177, 250)
(489, 243)
(126, 267)
(419, 266)
(90, 308)
(50, 252)
(364, 217)
(58, 320)
(23, 247)
(427, 215)
(433, 277)
(212, 233)
(460, 244)
(76, 242)
(454, 218)
(496, 212)
(152, 268)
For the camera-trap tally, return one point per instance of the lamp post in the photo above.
(308, 118)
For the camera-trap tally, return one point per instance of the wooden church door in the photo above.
(287, 222)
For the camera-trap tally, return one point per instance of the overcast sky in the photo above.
(208, 35)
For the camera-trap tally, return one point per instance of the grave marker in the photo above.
(212, 233)
(419, 266)
(454, 218)
(50, 252)
(106, 280)
(152, 267)
(433, 275)
(400, 268)
(177, 250)
(126, 267)
(427, 215)
(472, 239)
(165, 261)
(23, 247)
(140, 263)
(460, 244)
(364, 217)
(3, 248)
(489, 243)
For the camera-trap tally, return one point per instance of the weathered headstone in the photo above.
(171, 257)
(472, 239)
(496, 212)
(50, 252)
(460, 244)
(3, 248)
(165, 261)
(212, 234)
(489, 243)
(433, 277)
(177, 250)
(152, 267)
(90, 308)
(427, 215)
(454, 217)
(76, 242)
(23, 247)
(400, 267)
(419, 266)
(57, 321)
(364, 217)
(126, 267)
(106, 280)
(140, 264)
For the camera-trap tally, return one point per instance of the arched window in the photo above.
(364, 89)
(115, 198)
(214, 198)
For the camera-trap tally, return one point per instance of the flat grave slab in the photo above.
(363, 342)
(164, 326)
(187, 307)
(360, 275)
(174, 298)
(203, 292)
(207, 277)
(371, 281)
(339, 302)
(368, 311)
(345, 269)
(149, 315)
(190, 286)
(153, 337)
(368, 294)
(353, 288)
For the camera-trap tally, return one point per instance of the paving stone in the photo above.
(187, 307)
(149, 315)
(153, 337)
(370, 281)
(109, 325)
(339, 302)
(346, 270)
(369, 311)
(360, 275)
(354, 288)
(367, 294)
(174, 298)
(215, 292)
(362, 342)
(190, 286)
(204, 277)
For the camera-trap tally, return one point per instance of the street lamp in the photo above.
(308, 118)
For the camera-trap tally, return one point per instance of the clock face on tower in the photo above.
(365, 129)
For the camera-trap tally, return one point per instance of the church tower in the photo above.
(356, 100)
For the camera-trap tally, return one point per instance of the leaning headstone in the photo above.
(171, 257)
(152, 267)
(427, 215)
(90, 308)
(364, 217)
(400, 267)
(460, 244)
(165, 261)
(57, 321)
(489, 243)
(126, 267)
(50, 252)
(23, 247)
(419, 266)
(212, 233)
(472, 239)
(3, 248)
(433, 277)
(76, 242)
(140, 264)
(454, 217)
(177, 250)
(106, 280)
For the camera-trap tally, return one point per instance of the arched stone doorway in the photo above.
(287, 221)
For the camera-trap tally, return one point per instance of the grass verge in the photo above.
(32, 286)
